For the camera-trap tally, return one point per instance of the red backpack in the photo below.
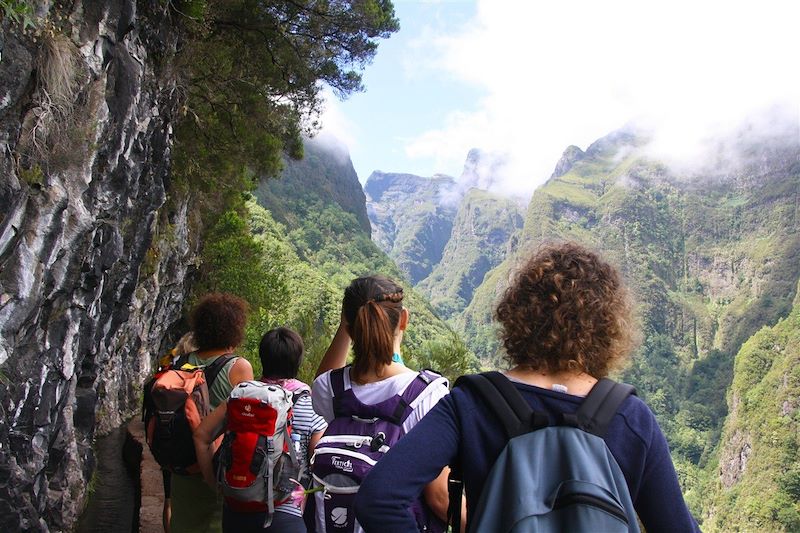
(175, 402)
(258, 464)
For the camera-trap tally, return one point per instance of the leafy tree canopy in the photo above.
(252, 74)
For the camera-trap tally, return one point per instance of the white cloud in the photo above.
(335, 123)
(561, 73)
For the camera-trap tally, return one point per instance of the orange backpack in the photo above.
(175, 402)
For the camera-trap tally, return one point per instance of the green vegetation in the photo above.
(710, 262)
(19, 12)
(478, 242)
(326, 233)
(298, 248)
(759, 462)
(252, 76)
(412, 219)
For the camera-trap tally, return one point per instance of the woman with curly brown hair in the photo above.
(565, 323)
(218, 322)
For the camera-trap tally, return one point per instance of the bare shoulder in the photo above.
(241, 370)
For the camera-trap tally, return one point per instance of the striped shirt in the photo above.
(305, 423)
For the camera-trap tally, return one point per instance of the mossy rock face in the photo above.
(78, 323)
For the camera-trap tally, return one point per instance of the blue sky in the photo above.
(529, 78)
(403, 98)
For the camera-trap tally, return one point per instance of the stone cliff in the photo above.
(94, 257)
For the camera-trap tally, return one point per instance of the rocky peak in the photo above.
(571, 155)
(481, 169)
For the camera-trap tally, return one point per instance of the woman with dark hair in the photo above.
(565, 323)
(281, 353)
(217, 321)
(360, 398)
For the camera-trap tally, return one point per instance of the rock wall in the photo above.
(86, 291)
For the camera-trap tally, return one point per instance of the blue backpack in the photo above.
(548, 477)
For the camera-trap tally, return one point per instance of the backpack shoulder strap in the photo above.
(212, 371)
(405, 404)
(601, 404)
(511, 409)
(296, 395)
(337, 389)
(505, 402)
(414, 389)
(180, 361)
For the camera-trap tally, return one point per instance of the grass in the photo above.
(570, 192)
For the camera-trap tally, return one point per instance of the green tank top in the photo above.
(221, 388)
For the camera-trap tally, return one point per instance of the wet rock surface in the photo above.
(86, 292)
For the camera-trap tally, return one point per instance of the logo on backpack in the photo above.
(341, 464)
(560, 478)
(339, 516)
(356, 439)
(175, 402)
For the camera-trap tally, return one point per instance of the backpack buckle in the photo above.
(377, 442)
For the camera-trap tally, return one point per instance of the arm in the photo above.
(382, 503)
(336, 355)
(312, 442)
(660, 490)
(241, 370)
(438, 499)
(204, 436)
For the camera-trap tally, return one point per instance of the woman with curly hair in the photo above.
(565, 323)
(218, 323)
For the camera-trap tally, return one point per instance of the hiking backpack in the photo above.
(259, 463)
(356, 439)
(549, 477)
(175, 402)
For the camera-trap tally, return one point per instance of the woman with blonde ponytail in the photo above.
(374, 401)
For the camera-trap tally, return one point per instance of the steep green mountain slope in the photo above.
(478, 242)
(312, 241)
(324, 176)
(758, 483)
(411, 218)
(711, 258)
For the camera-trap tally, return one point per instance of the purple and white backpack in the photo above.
(356, 439)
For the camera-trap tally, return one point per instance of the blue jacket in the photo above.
(460, 426)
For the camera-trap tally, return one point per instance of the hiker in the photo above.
(218, 321)
(369, 405)
(565, 323)
(281, 353)
(185, 345)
